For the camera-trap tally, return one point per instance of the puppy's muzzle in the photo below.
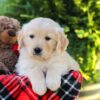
(37, 51)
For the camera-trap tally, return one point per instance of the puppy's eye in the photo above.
(31, 36)
(47, 38)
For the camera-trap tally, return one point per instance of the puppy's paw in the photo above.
(39, 89)
(53, 83)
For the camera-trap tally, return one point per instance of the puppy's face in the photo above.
(41, 41)
(40, 44)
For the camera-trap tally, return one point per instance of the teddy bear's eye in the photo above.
(31, 36)
(47, 38)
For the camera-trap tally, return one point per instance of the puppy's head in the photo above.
(41, 38)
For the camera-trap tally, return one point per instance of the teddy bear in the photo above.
(8, 37)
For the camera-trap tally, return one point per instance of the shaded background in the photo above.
(81, 22)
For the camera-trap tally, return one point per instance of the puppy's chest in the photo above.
(43, 66)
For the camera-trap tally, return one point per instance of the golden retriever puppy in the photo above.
(43, 58)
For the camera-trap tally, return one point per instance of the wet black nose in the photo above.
(37, 51)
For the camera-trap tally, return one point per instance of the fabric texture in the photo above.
(15, 87)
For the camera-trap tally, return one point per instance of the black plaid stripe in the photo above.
(4, 93)
(70, 87)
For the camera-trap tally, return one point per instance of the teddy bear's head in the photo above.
(8, 38)
(8, 29)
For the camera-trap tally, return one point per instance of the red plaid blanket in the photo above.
(15, 87)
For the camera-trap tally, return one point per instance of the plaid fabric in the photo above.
(15, 87)
(70, 87)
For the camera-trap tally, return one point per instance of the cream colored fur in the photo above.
(45, 70)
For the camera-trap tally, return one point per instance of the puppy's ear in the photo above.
(62, 42)
(20, 39)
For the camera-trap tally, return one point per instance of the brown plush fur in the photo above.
(8, 37)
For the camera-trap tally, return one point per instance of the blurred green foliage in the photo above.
(80, 19)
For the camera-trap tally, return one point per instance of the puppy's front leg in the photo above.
(38, 81)
(53, 78)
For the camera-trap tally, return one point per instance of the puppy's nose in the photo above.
(37, 50)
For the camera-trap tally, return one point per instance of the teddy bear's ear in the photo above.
(62, 41)
(20, 39)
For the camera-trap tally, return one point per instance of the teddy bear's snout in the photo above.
(11, 33)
